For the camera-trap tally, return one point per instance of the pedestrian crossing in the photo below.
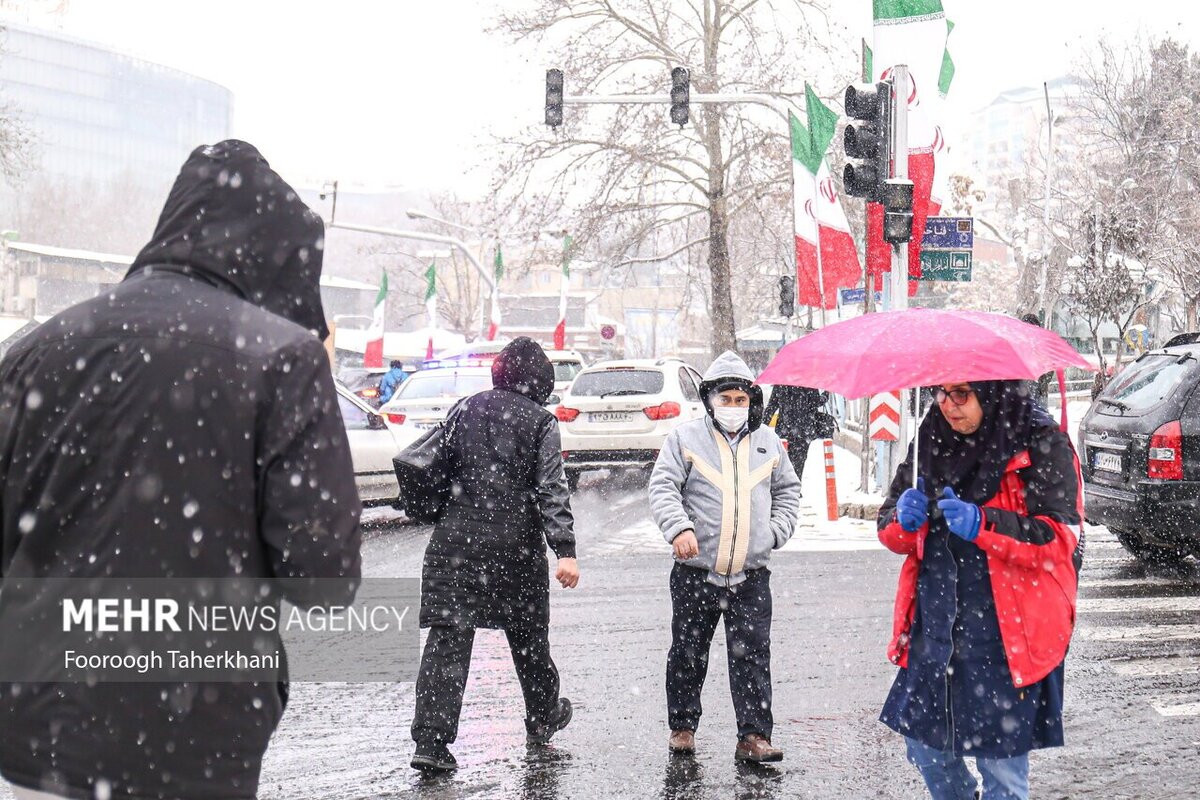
(1143, 626)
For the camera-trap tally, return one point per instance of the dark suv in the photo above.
(1139, 445)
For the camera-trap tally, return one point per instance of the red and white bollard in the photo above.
(831, 498)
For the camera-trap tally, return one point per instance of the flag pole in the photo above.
(820, 265)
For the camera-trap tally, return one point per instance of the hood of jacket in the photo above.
(231, 221)
(523, 367)
(729, 371)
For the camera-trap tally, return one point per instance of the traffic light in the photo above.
(554, 97)
(868, 140)
(680, 95)
(787, 295)
(897, 210)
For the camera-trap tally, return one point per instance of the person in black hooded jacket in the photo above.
(184, 424)
(485, 565)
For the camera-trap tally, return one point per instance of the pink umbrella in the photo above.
(916, 347)
(894, 350)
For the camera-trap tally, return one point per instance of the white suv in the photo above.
(617, 414)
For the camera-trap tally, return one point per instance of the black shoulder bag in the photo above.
(423, 473)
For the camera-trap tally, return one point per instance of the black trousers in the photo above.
(798, 454)
(697, 606)
(446, 662)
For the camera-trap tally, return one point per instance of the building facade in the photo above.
(98, 114)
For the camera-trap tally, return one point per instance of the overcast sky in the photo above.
(405, 92)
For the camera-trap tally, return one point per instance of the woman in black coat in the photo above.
(485, 565)
(799, 409)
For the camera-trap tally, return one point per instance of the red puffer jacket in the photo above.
(1032, 533)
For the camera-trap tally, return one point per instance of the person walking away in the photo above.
(1039, 390)
(993, 543)
(391, 381)
(724, 495)
(485, 565)
(799, 410)
(184, 424)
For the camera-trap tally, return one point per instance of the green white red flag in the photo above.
(497, 274)
(431, 305)
(373, 354)
(826, 258)
(911, 32)
(560, 330)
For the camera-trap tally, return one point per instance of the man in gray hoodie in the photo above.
(725, 495)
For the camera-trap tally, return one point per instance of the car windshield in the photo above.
(444, 384)
(1145, 384)
(603, 383)
(566, 370)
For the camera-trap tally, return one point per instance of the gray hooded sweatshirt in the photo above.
(741, 497)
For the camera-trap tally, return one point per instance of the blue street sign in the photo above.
(853, 296)
(948, 233)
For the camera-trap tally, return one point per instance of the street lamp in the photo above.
(1051, 121)
(412, 213)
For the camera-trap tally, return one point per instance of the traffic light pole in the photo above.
(770, 101)
(899, 298)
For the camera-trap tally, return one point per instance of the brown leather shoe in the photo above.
(682, 742)
(758, 749)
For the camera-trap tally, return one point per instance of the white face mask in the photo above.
(731, 418)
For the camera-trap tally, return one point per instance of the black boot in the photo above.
(433, 757)
(558, 719)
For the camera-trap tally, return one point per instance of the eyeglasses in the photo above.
(957, 396)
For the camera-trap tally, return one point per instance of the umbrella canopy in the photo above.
(915, 347)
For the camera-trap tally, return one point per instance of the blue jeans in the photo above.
(947, 776)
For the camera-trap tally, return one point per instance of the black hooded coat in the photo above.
(485, 565)
(183, 424)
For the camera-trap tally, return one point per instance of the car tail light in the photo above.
(1166, 453)
(395, 419)
(565, 414)
(369, 393)
(667, 410)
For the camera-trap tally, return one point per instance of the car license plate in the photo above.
(424, 426)
(610, 416)
(1108, 462)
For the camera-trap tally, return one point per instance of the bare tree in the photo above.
(1139, 105)
(704, 182)
(1100, 285)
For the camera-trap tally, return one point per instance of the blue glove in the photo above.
(962, 518)
(912, 509)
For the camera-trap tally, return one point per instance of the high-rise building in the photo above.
(1006, 138)
(97, 113)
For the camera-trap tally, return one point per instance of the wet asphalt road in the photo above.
(1132, 705)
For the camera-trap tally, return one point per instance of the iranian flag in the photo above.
(431, 305)
(497, 273)
(911, 32)
(826, 258)
(560, 330)
(373, 355)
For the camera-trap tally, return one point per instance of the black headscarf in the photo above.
(231, 221)
(974, 465)
(523, 367)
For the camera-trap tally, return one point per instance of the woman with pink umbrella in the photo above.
(986, 509)
(986, 600)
